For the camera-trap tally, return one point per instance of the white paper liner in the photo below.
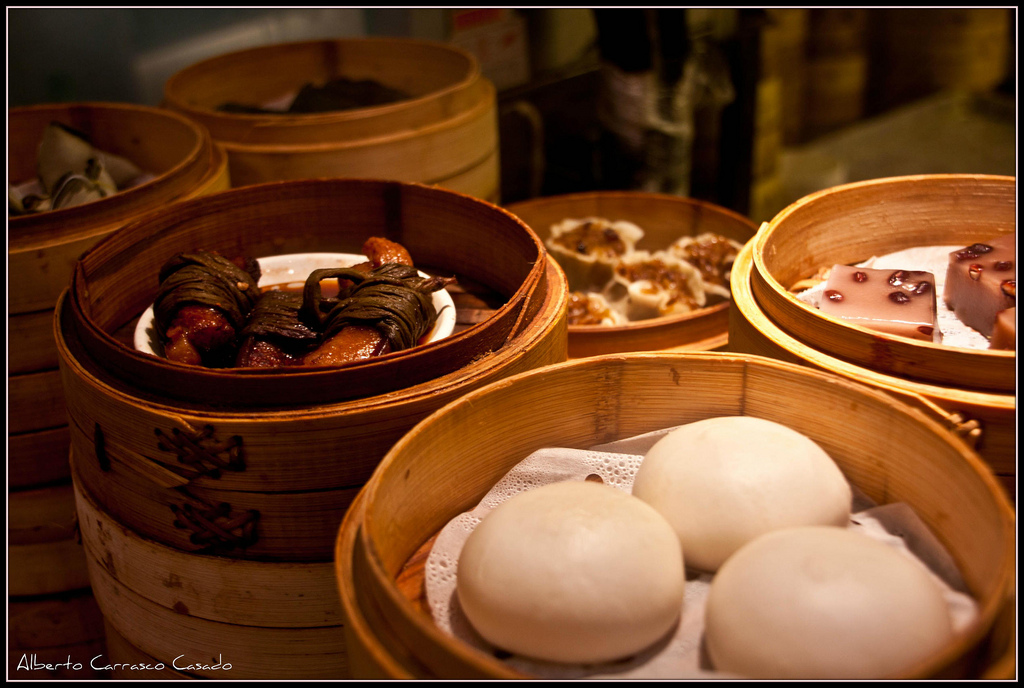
(680, 655)
(933, 259)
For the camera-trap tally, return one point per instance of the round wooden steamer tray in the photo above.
(850, 223)
(42, 248)
(267, 619)
(891, 451)
(444, 231)
(302, 465)
(445, 133)
(664, 219)
(984, 419)
(43, 552)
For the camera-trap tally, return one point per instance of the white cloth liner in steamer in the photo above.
(681, 654)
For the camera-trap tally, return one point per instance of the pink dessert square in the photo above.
(1004, 334)
(981, 280)
(900, 302)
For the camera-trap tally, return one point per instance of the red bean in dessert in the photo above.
(1004, 334)
(981, 281)
(900, 302)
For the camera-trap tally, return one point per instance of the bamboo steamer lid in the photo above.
(984, 419)
(852, 222)
(664, 219)
(43, 248)
(891, 451)
(445, 133)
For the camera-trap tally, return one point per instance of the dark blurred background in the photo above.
(763, 105)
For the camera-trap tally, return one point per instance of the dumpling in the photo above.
(589, 308)
(648, 285)
(713, 255)
(587, 249)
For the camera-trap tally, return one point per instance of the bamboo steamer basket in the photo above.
(129, 662)
(923, 50)
(43, 248)
(664, 219)
(165, 445)
(264, 620)
(445, 133)
(114, 282)
(51, 630)
(890, 450)
(43, 552)
(850, 223)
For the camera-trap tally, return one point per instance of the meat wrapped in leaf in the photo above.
(275, 336)
(395, 300)
(202, 303)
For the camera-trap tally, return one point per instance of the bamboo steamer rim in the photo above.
(605, 338)
(166, 376)
(845, 339)
(749, 307)
(356, 621)
(224, 125)
(424, 627)
(29, 232)
(478, 110)
(354, 407)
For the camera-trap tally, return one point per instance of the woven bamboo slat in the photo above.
(30, 345)
(46, 568)
(890, 450)
(58, 621)
(43, 552)
(447, 127)
(664, 219)
(35, 402)
(853, 222)
(987, 419)
(38, 458)
(129, 662)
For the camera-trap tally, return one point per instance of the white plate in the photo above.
(293, 269)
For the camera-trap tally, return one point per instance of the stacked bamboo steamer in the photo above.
(664, 219)
(836, 69)
(52, 608)
(448, 462)
(918, 51)
(973, 391)
(208, 500)
(445, 133)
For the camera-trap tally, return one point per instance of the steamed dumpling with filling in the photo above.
(713, 255)
(587, 249)
(591, 308)
(649, 285)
